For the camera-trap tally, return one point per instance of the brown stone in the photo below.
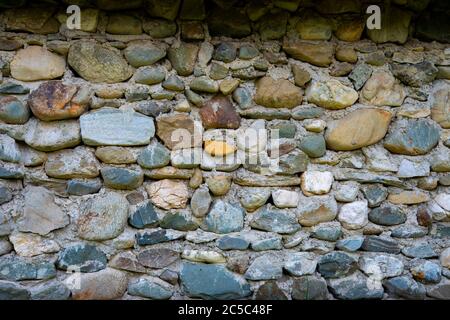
(219, 113)
(301, 76)
(358, 129)
(382, 89)
(168, 130)
(277, 93)
(408, 197)
(54, 100)
(168, 194)
(440, 110)
(346, 54)
(350, 30)
(158, 258)
(316, 53)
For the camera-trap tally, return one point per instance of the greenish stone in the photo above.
(174, 83)
(261, 64)
(193, 10)
(243, 98)
(9, 87)
(273, 26)
(274, 220)
(194, 98)
(166, 9)
(149, 289)
(314, 146)
(218, 71)
(163, 95)
(304, 112)
(228, 23)
(413, 137)
(204, 84)
(154, 156)
(15, 268)
(285, 129)
(137, 93)
(82, 257)
(294, 162)
(13, 111)
(150, 75)
(143, 54)
(360, 74)
(225, 52)
(123, 24)
(122, 178)
(376, 58)
(248, 52)
(181, 221)
(183, 58)
(232, 243)
(144, 216)
(224, 218)
(79, 187)
(160, 28)
(212, 281)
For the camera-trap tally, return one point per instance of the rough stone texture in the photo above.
(128, 150)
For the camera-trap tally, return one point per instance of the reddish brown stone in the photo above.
(174, 129)
(219, 113)
(424, 218)
(53, 100)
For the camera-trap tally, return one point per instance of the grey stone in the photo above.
(152, 288)
(140, 54)
(5, 195)
(15, 268)
(387, 216)
(9, 87)
(53, 290)
(13, 111)
(309, 288)
(420, 250)
(360, 74)
(149, 76)
(300, 264)
(313, 145)
(232, 243)
(13, 291)
(405, 287)
(225, 52)
(264, 267)
(415, 75)
(351, 244)
(158, 236)
(143, 215)
(306, 112)
(380, 244)
(200, 202)
(174, 83)
(224, 218)
(275, 220)
(409, 231)
(81, 187)
(158, 258)
(243, 98)
(116, 127)
(82, 258)
(212, 281)
(355, 287)
(253, 198)
(273, 243)
(375, 194)
(426, 271)
(183, 58)
(182, 221)
(336, 265)
(122, 178)
(270, 291)
(441, 291)
(381, 266)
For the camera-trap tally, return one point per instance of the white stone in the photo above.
(445, 258)
(377, 159)
(300, 264)
(436, 211)
(30, 245)
(203, 256)
(354, 215)
(409, 169)
(381, 266)
(186, 158)
(254, 138)
(316, 182)
(443, 200)
(285, 198)
(314, 125)
(347, 192)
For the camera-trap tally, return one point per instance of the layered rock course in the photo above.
(199, 149)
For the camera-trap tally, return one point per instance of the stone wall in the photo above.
(129, 167)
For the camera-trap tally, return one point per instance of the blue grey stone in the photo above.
(150, 288)
(336, 264)
(79, 187)
(413, 137)
(13, 111)
(275, 220)
(9, 87)
(225, 52)
(16, 269)
(82, 258)
(212, 281)
(224, 218)
(122, 178)
(181, 220)
(13, 291)
(54, 290)
(243, 98)
(313, 145)
(375, 194)
(306, 112)
(232, 243)
(405, 287)
(422, 250)
(11, 171)
(247, 52)
(426, 271)
(157, 236)
(327, 231)
(355, 287)
(309, 288)
(144, 216)
(265, 267)
(409, 231)
(5, 195)
(350, 244)
(380, 244)
(274, 243)
(387, 216)
(154, 156)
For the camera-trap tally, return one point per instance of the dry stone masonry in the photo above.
(212, 149)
